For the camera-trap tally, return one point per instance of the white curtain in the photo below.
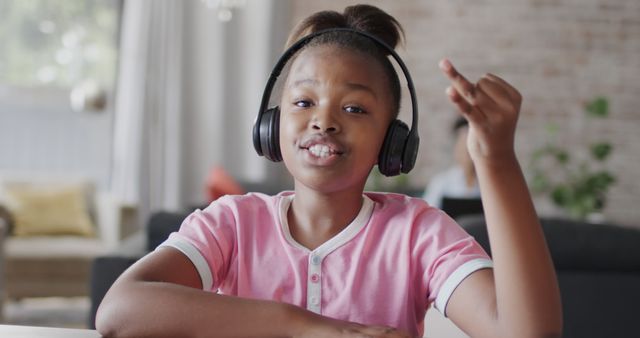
(147, 124)
(183, 69)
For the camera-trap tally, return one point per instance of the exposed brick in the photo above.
(559, 54)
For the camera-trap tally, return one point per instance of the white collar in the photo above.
(344, 236)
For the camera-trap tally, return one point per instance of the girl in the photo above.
(328, 260)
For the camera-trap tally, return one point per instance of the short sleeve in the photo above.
(448, 254)
(207, 238)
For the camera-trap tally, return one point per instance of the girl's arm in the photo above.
(520, 296)
(161, 296)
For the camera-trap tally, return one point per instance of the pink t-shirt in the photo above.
(397, 256)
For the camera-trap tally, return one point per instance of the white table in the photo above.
(436, 325)
(16, 331)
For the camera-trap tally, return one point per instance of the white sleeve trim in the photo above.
(455, 278)
(196, 258)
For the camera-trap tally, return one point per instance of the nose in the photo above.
(324, 120)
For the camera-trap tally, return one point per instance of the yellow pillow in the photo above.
(50, 211)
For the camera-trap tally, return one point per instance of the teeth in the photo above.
(320, 150)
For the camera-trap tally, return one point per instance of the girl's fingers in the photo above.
(467, 110)
(474, 95)
(459, 82)
(497, 92)
(458, 100)
(513, 93)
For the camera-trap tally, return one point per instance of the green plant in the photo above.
(577, 185)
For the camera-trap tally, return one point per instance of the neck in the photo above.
(314, 217)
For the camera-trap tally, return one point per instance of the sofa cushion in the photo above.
(49, 210)
(599, 303)
(594, 247)
(576, 245)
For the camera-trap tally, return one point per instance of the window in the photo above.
(49, 50)
(58, 43)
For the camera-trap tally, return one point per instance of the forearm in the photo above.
(527, 295)
(157, 309)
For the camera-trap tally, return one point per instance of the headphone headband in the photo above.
(410, 145)
(298, 45)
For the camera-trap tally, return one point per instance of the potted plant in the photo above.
(577, 185)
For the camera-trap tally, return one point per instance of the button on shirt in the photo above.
(397, 256)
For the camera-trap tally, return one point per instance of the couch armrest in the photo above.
(115, 220)
(132, 246)
(108, 211)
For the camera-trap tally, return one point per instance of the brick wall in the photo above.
(558, 54)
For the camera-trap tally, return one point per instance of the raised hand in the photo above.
(520, 295)
(491, 106)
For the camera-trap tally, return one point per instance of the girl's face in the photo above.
(335, 110)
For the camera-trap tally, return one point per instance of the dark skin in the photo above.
(520, 296)
(326, 93)
(342, 106)
(333, 93)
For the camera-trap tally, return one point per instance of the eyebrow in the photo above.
(351, 85)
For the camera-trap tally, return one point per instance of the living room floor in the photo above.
(52, 312)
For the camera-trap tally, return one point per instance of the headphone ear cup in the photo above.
(256, 136)
(268, 135)
(390, 158)
(410, 152)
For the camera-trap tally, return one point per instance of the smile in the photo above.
(321, 150)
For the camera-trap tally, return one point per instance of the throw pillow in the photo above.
(50, 211)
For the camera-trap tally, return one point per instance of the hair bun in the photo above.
(374, 21)
(366, 18)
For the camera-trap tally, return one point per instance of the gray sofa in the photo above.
(598, 269)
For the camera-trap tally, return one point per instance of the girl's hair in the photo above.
(365, 18)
